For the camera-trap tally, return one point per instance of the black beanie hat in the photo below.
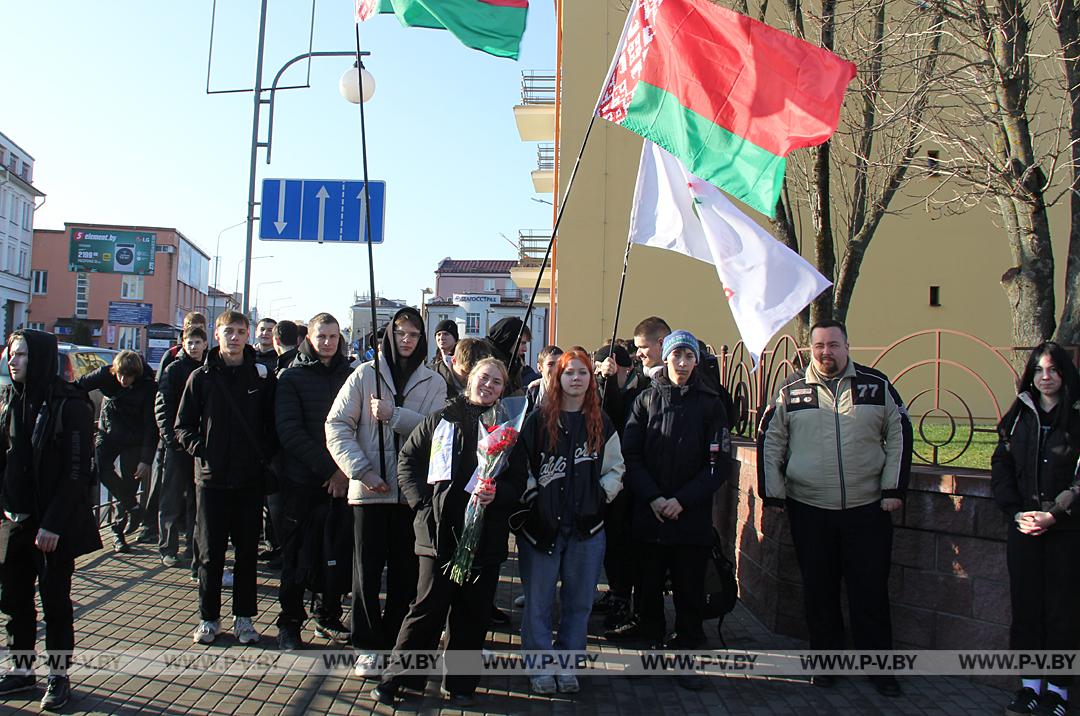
(622, 356)
(448, 326)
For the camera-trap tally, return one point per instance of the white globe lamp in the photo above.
(350, 85)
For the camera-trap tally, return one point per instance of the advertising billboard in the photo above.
(110, 251)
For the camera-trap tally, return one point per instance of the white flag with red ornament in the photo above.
(765, 282)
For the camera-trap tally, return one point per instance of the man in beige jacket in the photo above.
(834, 452)
(382, 521)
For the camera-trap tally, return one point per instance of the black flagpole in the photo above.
(370, 250)
(514, 357)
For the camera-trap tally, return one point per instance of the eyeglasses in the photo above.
(411, 335)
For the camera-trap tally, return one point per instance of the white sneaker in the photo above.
(567, 683)
(206, 632)
(227, 578)
(244, 630)
(367, 665)
(542, 685)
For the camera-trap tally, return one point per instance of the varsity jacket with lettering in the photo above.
(593, 480)
(834, 453)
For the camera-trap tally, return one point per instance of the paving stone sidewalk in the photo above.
(132, 602)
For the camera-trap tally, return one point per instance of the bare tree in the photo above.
(1009, 125)
(843, 189)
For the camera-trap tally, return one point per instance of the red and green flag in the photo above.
(727, 95)
(491, 26)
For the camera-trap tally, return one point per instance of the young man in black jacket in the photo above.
(45, 515)
(126, 429)
(678, 453)
(177, 488)
(226, 422)
(313, 488)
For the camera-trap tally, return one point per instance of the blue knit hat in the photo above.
(681, 339)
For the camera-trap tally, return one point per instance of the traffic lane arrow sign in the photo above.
(280, 209)
(352, 219)
(321, 211)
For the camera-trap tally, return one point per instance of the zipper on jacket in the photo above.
(839, 452)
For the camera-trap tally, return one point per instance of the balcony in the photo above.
(532, 245)
(535, 116)
(543, 177)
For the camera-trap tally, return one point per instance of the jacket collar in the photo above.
(813, 376)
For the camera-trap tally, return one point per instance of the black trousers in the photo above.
(150, 497)
(853, 545)
(619, 557)
(177, 501)
(124, 486)
(383, 538)
(686, 565)
(221, 514)
(468, 607)
(1044, 581)
(24, 565)
(298, 502)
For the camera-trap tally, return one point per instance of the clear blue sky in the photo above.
(109, 98)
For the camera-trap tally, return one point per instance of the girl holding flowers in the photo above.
(437, 475)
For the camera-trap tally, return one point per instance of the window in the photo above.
(27, 214)
(128, 338)
(935, 295)
(3, 203)
(82, 295)
(489, 284)
(131, 287)
(472, 323)
(35, 326)
(22, 263)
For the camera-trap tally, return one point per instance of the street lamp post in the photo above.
(236, 279)
(278, 300)
(257, 290)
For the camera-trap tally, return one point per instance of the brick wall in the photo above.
(949, 583)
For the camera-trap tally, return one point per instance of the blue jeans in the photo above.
(577, 563)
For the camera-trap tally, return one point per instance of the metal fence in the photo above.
(955, 385)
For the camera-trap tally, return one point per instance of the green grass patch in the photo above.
(950, 445)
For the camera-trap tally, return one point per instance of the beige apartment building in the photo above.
(920, 273)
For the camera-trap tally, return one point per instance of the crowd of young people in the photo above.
(359, 473)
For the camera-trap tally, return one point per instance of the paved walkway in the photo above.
(132, 602)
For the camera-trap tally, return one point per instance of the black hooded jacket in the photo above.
(305, 392)
(45, 429)
(127, 414)
(502, 339)
(209, 427)
(402, 368)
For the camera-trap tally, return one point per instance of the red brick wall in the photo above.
(949, 583)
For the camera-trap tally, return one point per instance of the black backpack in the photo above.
(721, 587)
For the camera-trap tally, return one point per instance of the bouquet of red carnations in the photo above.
(498, 433)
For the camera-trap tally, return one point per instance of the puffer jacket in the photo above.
(170, 388)
(834, 453)
(127, 414)
(592, 479)
(1033, 471)
(352, 436)
(440, 505)
(305, 392)
(667, 445)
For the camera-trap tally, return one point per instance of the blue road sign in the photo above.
(321, 211)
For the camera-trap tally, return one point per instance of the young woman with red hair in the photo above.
(575, 469)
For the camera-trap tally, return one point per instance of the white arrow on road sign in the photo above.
(280, 224)
(363, 226)
(323, 195)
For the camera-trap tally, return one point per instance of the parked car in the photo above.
(75, 362)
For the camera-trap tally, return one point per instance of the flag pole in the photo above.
(370, 249)
(551, 242)
(622, 285)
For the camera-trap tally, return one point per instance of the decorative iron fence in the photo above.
(956, 386)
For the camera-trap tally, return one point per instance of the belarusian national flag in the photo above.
(727, 95)
(492, 26)
(765, 282)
